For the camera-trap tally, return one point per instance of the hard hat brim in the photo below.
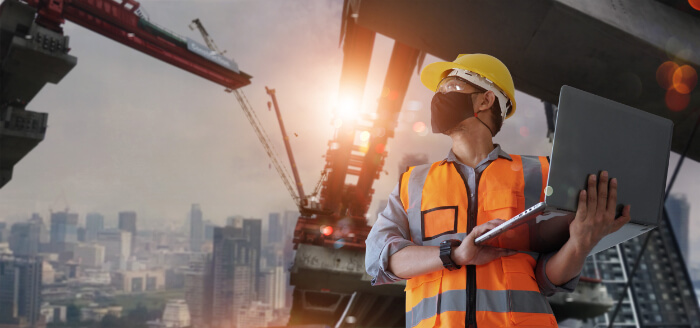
(432, 74)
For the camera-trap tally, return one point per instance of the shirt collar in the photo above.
(492, 156)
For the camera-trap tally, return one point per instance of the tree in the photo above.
(72, 313)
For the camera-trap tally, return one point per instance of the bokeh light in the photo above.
(664, 74)
(364, 135)
(676, 101)
(379, 148)
(514, 166)
(385, 92)
(326, 230)
(695, 4)
(393, 95)
(548, 191)
(685, 79)
(524, 131)
(419, 127)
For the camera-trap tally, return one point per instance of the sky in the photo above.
(128, 132)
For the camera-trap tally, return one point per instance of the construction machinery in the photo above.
(34, 51)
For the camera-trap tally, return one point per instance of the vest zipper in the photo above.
(470, 320)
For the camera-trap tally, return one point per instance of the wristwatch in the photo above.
(446, 254)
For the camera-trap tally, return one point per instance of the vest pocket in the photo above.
(422, 295)
(502, 204)
(527, 306)
(438, 221)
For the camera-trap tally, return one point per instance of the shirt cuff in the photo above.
(384, 275)
(547, 287)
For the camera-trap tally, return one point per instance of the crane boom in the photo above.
(299, 199)
(292, 162)
(264, 140)
(205, 35)
(119, 21)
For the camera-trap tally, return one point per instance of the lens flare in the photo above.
(676, 101)
(419, 127)
(524, 131)
(695, 4)
(364, 135)
(326, 230)
(348, 109)
(379, 148)
(548, 191)
(664, 74)
(685, 79)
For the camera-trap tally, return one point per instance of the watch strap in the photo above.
(446, 254)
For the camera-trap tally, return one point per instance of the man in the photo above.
(426, 233)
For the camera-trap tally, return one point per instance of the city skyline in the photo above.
(127, 159)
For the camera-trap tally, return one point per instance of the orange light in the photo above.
(379, 148)
(664, 74)
(695, 4)
(676, 101)
(326, 230)
(684, 79)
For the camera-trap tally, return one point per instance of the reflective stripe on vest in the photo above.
(436, 202)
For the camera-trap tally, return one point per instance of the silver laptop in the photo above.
(594, 134)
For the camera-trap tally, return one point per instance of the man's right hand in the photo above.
(469, 253)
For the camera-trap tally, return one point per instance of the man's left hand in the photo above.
(595, 216)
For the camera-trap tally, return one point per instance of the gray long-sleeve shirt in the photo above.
(390, 232)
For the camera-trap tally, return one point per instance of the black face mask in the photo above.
(448, 109)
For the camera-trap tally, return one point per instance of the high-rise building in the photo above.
(235, 221)
(661, 293)
(232, 268)
(94, 223)
(20, 291)
(127, 222)
(89, 255)
(24, 238)
(256, 314)
(274, 229)
(274, 287)
(196, 228)
(44, 236)
(678, 209)
(198, 290)
(117, 244)
(4, 232)
(209, 231)
(252, 231)
(64, 231)
(176, 315)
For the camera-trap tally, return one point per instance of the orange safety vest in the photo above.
(502, 293)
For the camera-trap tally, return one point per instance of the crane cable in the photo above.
(282, 170)
(265, 141)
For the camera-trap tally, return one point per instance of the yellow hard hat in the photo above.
(489, 68)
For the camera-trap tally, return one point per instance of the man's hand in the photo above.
(469, 253)
(595, 216)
